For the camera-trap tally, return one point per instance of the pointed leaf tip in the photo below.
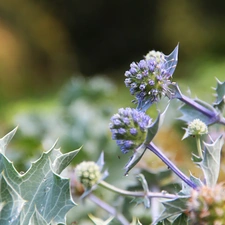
(4, 141)
(211, 161)
(220, 96)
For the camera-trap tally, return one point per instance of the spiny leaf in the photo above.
(196, 180)
(144, 184)
(135, 221)
(98, 221)
(211, 161)
(172, 209)
(37, 219)
(40, 187)
(151, 132)
(62, 160)
(12, 202)
(154, 128)
(6, 139)
(171, 61)
(220, 95)
(181, 220)
(135, 158)
(190, 113)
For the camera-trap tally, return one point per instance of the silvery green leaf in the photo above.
(190, 113)
(144, 184)
(173, 91)
(12, 202)
(196, 180)
(172, 209)
(151, 132)
(186, 134)
(62, 160)
(144, 104)
(171, 61)
(220, 95)
(164, 222)
(196, 159)
(40, 188)
(101, 161)
(211, 161)
(6, 139)
(182, 219)
(98, 221)
(37, 219)
(135, 158)
(135, 221)
(153, 128)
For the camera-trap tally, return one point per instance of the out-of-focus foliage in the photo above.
(79, 117)
(46, 41)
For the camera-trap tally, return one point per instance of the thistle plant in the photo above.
(149, 79)
(42, 195)
(199, 199)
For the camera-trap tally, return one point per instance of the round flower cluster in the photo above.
(197, 127)
(206, 206)
(129, 127)
(88, 173)
(149, 78)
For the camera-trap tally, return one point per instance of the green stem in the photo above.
(198, 142)
(136, 193)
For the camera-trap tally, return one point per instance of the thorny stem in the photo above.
(170, 165)
(109, 209)
(136, 193)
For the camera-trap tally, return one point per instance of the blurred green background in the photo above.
(45, 42)
(62, 67)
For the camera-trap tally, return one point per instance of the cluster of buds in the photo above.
(149, 78)
(206, 206)
(197, 128)
(129, 128)
(88, 173)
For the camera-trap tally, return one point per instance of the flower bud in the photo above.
(88, 173)
(206, 206)
(197, 127)
(129, 128)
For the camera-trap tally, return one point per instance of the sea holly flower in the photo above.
(206, 205)
(88, 173)
(197, 127)
(149, 79)
(129, 128)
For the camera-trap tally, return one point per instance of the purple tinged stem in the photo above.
(175, 169)
(109, 209)
(200, 108)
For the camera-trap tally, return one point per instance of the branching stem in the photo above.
(170, 165)
(136, 193)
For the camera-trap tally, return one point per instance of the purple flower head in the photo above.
(131, 132)
(154, 72)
